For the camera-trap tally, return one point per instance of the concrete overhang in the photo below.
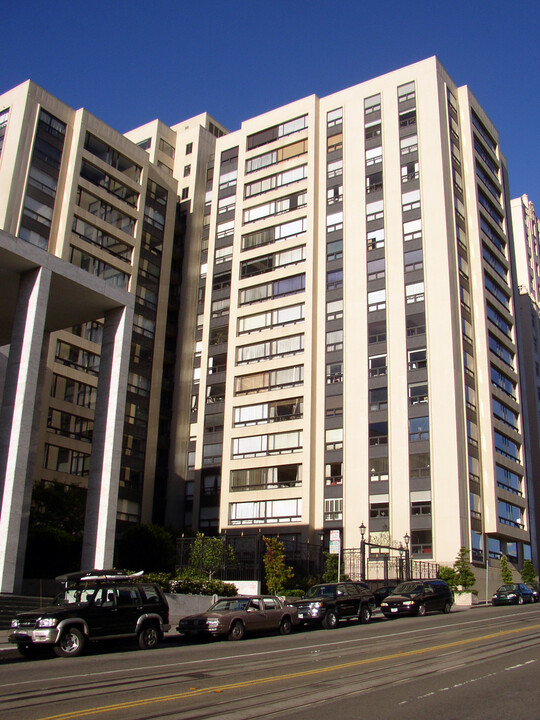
(75, 297)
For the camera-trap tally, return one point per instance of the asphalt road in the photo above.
(476, 664)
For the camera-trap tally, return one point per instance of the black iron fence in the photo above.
(240, 557)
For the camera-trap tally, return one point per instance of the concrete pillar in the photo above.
(103, 480)
(17, 422)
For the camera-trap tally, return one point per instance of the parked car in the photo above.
(535, 587)
(381, 593)
(96, 605)
(329, 603)
(512, 594)
(417, 597)
(234, 616)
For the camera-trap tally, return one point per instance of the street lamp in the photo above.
(407, 557)
(362, 529)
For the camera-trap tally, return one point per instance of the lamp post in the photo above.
(407, 557)
(362, 529)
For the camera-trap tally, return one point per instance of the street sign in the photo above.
(335, 542)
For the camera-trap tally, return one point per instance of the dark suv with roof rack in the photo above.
(329, 603)
(95, 605)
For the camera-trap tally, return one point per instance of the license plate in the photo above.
(393, 609)
(301, 615)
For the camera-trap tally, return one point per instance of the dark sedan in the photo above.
(233, 617)
(512, 594)
(382, 593)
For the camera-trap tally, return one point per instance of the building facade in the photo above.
(356, 358)
(526, 227)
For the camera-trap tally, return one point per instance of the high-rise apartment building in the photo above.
(80, 190)
(355, 356)
(325, 328)
(526, 227)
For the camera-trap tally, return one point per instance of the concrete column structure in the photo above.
(101, 502)
(17, 421)
(39, 294)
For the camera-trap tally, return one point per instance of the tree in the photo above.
(465, 578)
(448, 574)
(528, 573)
(506, 572)
(146, 547)
(60, 506)
(209, 554)
(277, 573)
(331, 567)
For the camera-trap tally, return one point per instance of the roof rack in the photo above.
(111, 575)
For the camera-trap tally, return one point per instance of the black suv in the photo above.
(416, 597)
(329, 603)
(96, 605)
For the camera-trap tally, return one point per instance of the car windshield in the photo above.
(73, 595)
(506, 588)
(321, 591)
(407, 588)
(230, 605)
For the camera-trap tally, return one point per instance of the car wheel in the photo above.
(364, 616)
(520, 600)
(286, 626)
(237, 631)
(447, 608)
(330, 620)
(421, 610)
(149, 637)
(71, 643)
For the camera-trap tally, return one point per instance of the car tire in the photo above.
(237, 631)
(447, 608)
(149, 637)
(286, 626)
(330, 620)
(364, 616)
(71, 643)
(421, 610)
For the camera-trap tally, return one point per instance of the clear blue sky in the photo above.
(129, 61)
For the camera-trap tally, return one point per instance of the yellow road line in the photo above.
(278, 678)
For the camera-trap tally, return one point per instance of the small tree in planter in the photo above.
(528, 573)
(277, 573)
(506, 572)
(465, 578)
(208, 554)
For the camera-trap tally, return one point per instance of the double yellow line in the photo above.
(194, 692)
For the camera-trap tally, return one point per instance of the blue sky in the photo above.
(129, 61)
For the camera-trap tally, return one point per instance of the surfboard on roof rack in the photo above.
(111, 575)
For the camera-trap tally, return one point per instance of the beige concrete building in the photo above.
(355, 357)
(526, 226)
(76, 188)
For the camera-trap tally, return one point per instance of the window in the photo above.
(373, 129)
(165, 147)
(276, 156)
(333, 509)
(377, 365)
(374, 210)
(261, 445)
(334, 221)
(378, 399)
(375, 239)
(418, 429)
(112, 157)
(334, 279)
(510, 514)
(266, 511)
(282, 347)
(508, 480)
(334, 194)
(334, 439)
(185, 193)
(334, 373)
(372, 104)
(501, 351)
(418, 393)
(335, 168)
(413, 260)
(419, 465)
(410, 200)
(266, 478)
(277, 131)
(274, 234)
(334, 250)
(334, 340)
(507, 447)
(378, 433)
(189, 148)
(373, 155)
(334, 117)
(335, 142)
(412, 230)
(275, 207)
(376, 300)
(414, 292)
(409, 172)
(378, 469)
(406, 92)
(333, 473)
(378, 510)
(408, 144)
(275, 411)
(283, 316)
(187, 170)
(334, 310)
(417, 359)
(269, 380)
(375, 269)
(279, 288)
(274, 181)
